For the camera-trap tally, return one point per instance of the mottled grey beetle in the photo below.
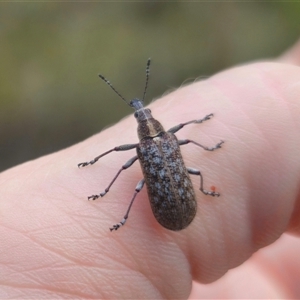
(169, 186)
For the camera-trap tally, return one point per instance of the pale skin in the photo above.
(57, 245)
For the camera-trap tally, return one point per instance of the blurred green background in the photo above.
(51, 54)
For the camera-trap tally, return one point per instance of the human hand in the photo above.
(56, 244)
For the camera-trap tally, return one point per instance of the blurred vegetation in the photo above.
(51, 54)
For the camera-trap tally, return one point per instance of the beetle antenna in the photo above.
(111, 86)
(147, 76)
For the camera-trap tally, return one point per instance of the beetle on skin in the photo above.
(169, 186)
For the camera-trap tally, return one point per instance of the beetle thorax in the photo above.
(148, 127)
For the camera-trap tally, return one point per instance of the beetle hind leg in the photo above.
(205, 192)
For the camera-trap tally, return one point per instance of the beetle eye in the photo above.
(136, 114)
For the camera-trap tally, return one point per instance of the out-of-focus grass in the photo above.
(51, 54)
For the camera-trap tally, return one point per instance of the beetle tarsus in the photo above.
(117, 226)
(210, 193)
(94, 197)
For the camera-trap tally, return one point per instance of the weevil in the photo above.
(169, 186)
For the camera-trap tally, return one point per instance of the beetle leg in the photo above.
(197, 172)
(137, 190)
(181, 125)
(187, 141)
(124, 167)
(118, 148)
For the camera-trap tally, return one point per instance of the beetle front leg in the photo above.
(118, 148)
(181, 125)
(187, 141)
(128, 164)
(198, 173)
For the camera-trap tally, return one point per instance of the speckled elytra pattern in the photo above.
(169, 186)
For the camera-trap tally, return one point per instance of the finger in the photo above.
(256, 171)
(292, 55)
(271, 273)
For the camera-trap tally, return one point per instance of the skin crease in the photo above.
(57, 245)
